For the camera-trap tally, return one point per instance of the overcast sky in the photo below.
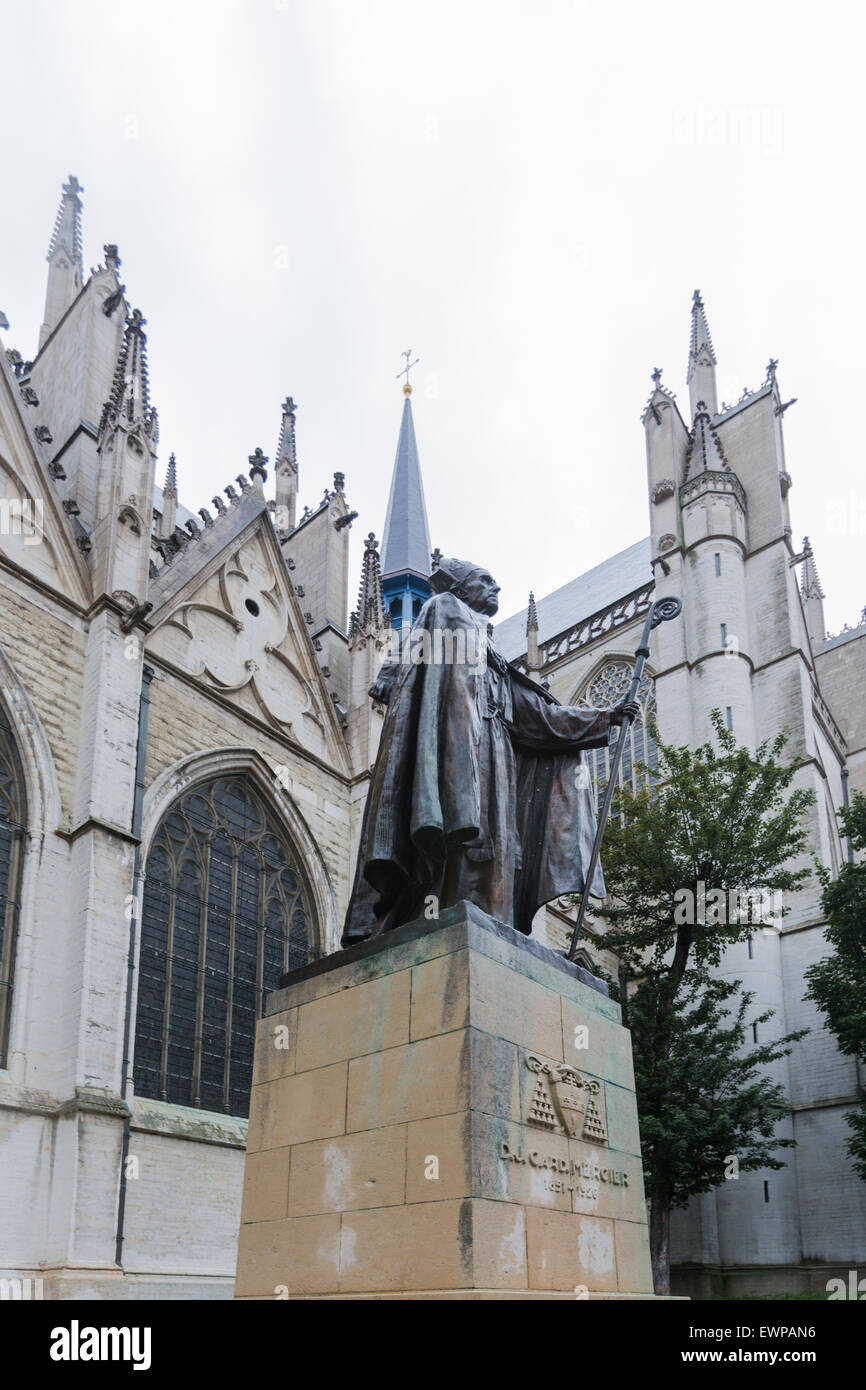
(526, 194)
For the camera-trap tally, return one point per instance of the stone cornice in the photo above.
(87, 1100)
(589, 630)
(712, 480)
(94, 823)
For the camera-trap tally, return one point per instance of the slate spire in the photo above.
(406, 538)
(701, 375)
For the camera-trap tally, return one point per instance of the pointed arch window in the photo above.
(606, 688)
(13, 827)
(226, 909)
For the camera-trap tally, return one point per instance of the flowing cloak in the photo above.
(480, 789)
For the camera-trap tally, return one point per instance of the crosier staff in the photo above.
(661, 612)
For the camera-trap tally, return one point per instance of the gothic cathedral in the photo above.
(185, 744)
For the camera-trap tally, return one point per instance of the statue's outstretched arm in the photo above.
(546, 727)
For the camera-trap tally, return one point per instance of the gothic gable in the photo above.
(236, 628)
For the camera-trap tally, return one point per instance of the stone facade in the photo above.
(752, 643)
(148, 651)
(230, 627)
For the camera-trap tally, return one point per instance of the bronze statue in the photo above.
(481, 790)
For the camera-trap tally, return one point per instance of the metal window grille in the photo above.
(226, 909)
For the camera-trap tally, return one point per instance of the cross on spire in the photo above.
(657, 376)
(407, 389)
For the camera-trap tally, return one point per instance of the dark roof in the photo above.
(599, 587)
(406, 538)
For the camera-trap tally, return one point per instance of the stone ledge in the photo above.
(469, 1296)
(86, 1100)
(456, 928)
(183, 1122)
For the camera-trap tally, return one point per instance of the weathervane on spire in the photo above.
(407, 389)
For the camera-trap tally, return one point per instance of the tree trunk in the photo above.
(660, 1238)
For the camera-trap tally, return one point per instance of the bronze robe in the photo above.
(480, 789)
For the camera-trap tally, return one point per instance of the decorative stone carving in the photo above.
(565, 1099)
(665, 488)
(234, 635)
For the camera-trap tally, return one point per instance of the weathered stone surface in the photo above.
(375, 1015)
(276, 1045)
(438, 1158)
(300, 1255)
(424, 1245)
(266, 1185)
(632, 1257)
(569, 1251)
(453, 1160)
(593, 1044)
(413, 1082)
(510, 1005)
(349, 1173)
(440, 995)
(311, 1105)
(622, 1124)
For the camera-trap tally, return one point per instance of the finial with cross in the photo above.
(73, 187)
(289, 406)
(657, 376)
(407, 389)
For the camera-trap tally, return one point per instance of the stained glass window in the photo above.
(13, 817)
(226, 909)
(607, 688)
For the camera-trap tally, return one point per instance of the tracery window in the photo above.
(607, 687)
(226, 909)
(13, 824)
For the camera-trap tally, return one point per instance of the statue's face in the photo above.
(480, 590)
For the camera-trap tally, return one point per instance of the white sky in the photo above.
(525, 193)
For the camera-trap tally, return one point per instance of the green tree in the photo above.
(838, 984)
(690, 865)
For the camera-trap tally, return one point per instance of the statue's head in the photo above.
(473, 583)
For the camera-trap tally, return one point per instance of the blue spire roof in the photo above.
(406, 538)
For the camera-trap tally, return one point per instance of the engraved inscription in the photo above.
(581, 1176)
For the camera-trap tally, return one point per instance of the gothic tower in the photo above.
(721, 540)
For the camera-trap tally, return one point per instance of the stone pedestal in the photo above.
(445, 1113)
